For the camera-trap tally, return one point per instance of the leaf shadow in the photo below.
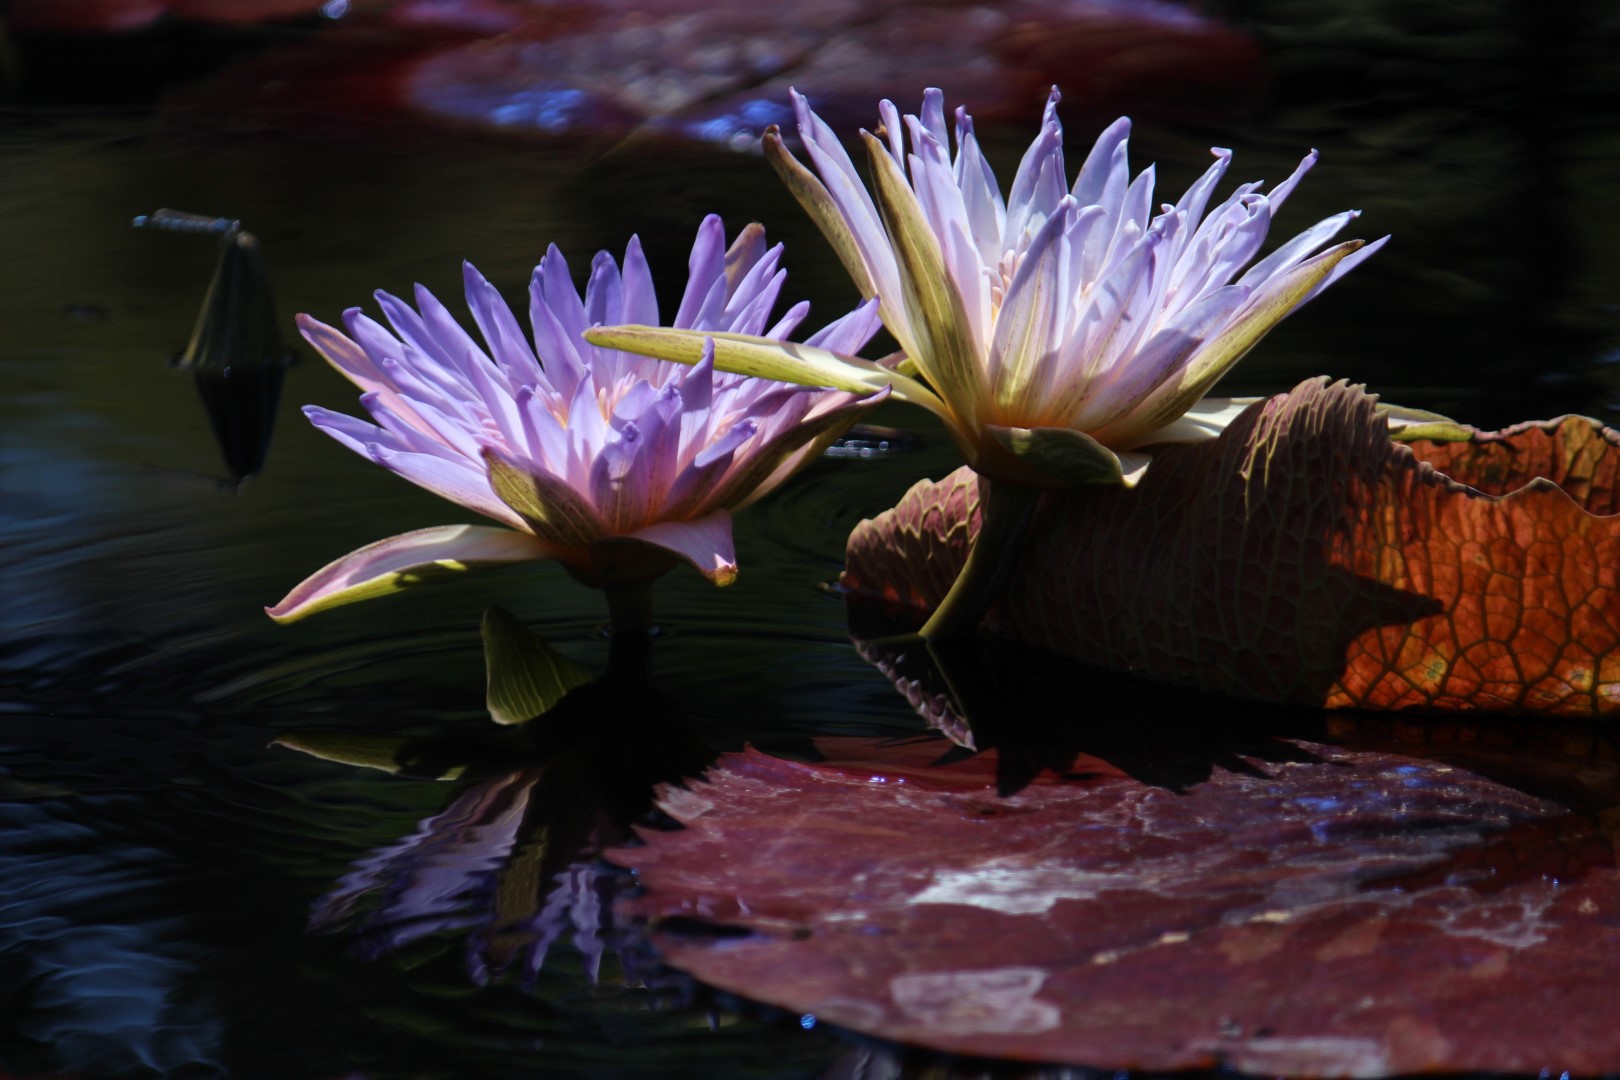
(1042, 712)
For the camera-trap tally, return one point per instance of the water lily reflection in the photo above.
(511, 862)
(474, 867)
(617, 466)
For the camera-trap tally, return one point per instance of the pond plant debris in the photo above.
(236, 356)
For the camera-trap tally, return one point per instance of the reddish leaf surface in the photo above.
(1303, 557)
(719, 70)
(121, 16)
(1319, 911)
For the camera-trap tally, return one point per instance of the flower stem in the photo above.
(630, 630)
(1004, 513)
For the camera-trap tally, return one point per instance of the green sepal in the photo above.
(767, 358)
(1052, 458)
(818, 203)
(526, 676)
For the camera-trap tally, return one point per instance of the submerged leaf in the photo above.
(1311, 910)
(1305, 557)
(526, 676)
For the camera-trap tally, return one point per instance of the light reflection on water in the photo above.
(152, 900)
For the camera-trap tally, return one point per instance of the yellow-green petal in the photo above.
(767, 358)
(944, 349)
(526, 677)
(399, 562)
(818, 203)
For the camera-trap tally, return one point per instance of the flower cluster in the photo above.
(1060, 330)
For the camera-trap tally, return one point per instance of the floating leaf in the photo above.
(1305, 557)
(1309, 909)
(526, 676)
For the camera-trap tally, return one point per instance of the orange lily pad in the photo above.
(1303, 557)
(1308, 909)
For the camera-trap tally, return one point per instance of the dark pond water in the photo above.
(158, 862)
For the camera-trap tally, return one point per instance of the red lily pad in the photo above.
(1312, 909)
(1304, 557)
(719, 70)
(122, 16)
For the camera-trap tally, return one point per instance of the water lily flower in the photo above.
(1058, 329)
(617, 466)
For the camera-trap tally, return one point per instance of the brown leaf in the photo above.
(1304, 557)
(1321, 911)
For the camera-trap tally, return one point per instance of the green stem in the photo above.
(1004, 513)
(630, 630)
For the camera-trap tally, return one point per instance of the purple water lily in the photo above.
(1059, 331)
(615, 465)
(1059, 328)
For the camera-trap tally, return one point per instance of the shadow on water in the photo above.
(1044, 713)
(1040, 711)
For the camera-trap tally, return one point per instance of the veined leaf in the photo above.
(526, 677)
(1279, 914)
(1305, 557)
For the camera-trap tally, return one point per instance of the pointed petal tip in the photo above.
(281, 614)
(706, 544)
(722, 576)
(389, 565)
